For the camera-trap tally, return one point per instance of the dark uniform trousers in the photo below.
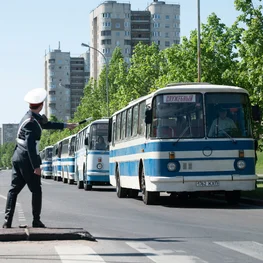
(22, 174)
(25, 157)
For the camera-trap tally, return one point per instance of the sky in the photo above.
(29, 28)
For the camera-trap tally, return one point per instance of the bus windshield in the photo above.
(99, 133)
(228, 115)
(48, 155)
(178, 116)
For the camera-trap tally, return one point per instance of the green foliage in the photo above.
(229, 55)
(6, 153)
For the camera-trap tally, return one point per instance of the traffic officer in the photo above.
(26, 160)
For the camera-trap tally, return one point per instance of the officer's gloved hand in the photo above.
(37, 171)
(71, 126)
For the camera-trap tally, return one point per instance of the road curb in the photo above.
(251, 201)
(44, 234)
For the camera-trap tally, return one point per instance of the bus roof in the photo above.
(199, 87)
(104, 120)
(187, 87)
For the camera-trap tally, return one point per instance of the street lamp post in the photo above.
(107, 84)
(198, 42)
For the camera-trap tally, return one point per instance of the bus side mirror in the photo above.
(110, 130)
(148, 116)
(256, 113)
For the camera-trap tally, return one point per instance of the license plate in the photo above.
(207, 183)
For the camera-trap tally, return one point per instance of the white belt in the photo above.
(37, 147)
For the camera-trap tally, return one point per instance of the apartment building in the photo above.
(9, 132)
(65, 79)
(115, 24)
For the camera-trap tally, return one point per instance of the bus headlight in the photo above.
(171, 167)
(99, 166)
(241, 164)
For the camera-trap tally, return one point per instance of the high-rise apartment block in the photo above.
(9, 132)
(116, 25)
(65, 78)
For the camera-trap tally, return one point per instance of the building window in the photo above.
(156, 25)
(117, 25)
(167, 17)
(126, 24)
(167, 26)
(127, 33)
(106, 41)
(118, 34)
(156, 16)
(167, 43)
(106, 50)
(127, 15)
(106, 15)
(105, 33)
(166, 34)
(127, 51)
(106, 24)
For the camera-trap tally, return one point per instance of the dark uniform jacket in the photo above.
(29, 134)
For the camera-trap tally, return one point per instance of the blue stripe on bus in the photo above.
(80, 153)
(183, 146)
(95, 178)
(97, 171)
(158, 167)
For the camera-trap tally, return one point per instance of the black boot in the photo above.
(6, 225)
(36, 209)
(10, 209)
(38, 223)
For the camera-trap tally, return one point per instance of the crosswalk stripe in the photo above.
(76, 254)
(249, 248)
(161, 256)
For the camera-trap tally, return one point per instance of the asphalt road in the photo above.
(126, 230)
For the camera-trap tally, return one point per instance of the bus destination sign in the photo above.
(179, 98)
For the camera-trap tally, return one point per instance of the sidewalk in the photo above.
(43, 234)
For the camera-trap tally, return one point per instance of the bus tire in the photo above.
(70, 181)
(80, 184)
(121, 192)
(87, 187)
(133, 193)
(149, 198)
(232, 197)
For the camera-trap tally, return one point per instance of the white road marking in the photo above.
(160, 256)
(21, 215)
(76, 254)
(249, 248)
(4, 197)
(45, 182)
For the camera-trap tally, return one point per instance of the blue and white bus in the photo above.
(92, 155)
(56, 162)
(176, 141)
(67, 159)
(46, 159)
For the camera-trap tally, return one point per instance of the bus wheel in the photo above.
(132, 193)
(80, 184)
(232, 197)
(149, 198)
(65, 180)
(87, 187)
(70, 181)
(121, 192)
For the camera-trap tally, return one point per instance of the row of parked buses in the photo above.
(82, 158)
(184, 139)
